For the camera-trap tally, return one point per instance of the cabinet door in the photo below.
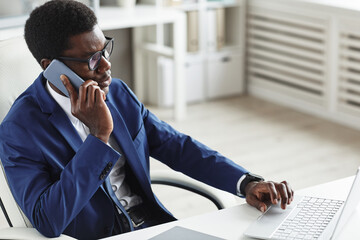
(161, 81)
(194, 75)
(224, 76)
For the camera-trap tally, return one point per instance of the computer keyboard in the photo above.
(309, 219)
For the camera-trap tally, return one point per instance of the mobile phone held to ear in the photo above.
(53, 72)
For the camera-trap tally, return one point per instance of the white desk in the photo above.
(231, 223)
(228, 223)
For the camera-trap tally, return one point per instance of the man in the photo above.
(80, 165)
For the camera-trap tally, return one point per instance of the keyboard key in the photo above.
(309, 219)
(293, 234)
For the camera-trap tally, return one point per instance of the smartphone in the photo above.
(53, 72)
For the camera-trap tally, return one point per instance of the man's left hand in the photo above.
(262, 194)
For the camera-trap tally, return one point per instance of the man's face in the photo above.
(83, 46)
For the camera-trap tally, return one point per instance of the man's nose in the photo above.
(104, 65)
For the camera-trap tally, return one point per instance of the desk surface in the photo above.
(230, 223)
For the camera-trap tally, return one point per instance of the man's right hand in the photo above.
(90, 108)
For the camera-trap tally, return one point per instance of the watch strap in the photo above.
(249, 177)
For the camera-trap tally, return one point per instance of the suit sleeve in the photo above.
(183, 153)
(51, 205)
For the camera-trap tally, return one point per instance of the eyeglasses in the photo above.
(94, 61)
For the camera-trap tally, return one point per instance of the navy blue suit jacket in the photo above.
(56, 178)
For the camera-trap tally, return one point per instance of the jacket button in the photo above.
(106, 171)
(108, 166)
(102, 176)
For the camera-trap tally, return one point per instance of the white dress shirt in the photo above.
(117, 175)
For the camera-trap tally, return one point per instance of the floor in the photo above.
(270, 140)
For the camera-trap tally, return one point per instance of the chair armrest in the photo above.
(220, 198)
(26, 233)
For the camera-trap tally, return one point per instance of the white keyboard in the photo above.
(309, 219)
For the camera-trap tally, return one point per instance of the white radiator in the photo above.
(349, 72)
(286, 54)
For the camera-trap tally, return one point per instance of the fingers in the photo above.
(273, 193)
(86, 98)
(282, 192)
(69, 87)
(103, 94)
(87, 92)
(259, 195)
(99, 95)
(91, 94)
(84, 90)
(270, 189)
(289, 191)
(254, 201)
(265, 193)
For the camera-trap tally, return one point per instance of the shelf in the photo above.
(209, 5)
(216, 4)
(158, 49)
(141, 15)
(186, 7)
(226, 50)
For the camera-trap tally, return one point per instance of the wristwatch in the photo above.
(249, 177)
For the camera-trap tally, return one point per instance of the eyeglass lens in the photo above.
(96, 58)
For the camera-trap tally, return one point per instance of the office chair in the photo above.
(219, 198)
(12, 213)
(18, 69)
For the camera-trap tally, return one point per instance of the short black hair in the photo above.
(49, 27)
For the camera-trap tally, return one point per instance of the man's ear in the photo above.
(44, 63)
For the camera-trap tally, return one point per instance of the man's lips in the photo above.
(105, 82)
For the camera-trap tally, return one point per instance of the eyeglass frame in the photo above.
(88, 60)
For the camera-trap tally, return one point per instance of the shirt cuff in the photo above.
(238, 192)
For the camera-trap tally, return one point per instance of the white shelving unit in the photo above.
(147, 42)
(143, 19)
(210, 72)
(306, 54)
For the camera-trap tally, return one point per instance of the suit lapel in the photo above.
(57, 116)
(124, 140)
